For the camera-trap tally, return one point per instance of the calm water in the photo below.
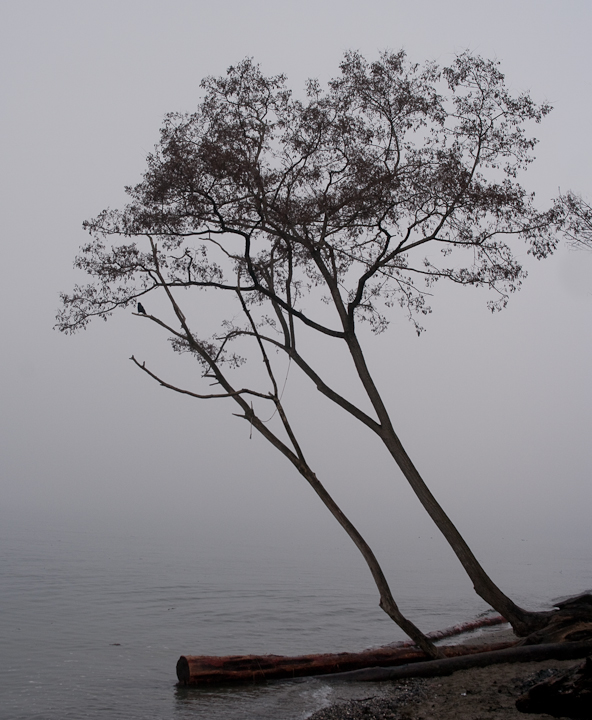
(93, 621)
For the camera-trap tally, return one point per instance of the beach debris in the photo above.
(566, 694)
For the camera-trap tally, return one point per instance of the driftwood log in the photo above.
(206, 670)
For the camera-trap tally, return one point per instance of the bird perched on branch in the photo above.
(141, 309)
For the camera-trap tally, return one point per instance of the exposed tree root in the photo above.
(572, 621)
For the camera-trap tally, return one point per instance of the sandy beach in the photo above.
(487, 693)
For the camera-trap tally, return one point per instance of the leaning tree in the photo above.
(306, 217)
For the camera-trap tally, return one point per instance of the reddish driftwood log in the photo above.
(205, 670)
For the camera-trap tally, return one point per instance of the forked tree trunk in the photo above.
(295, 456)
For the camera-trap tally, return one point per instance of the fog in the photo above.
(494, 409)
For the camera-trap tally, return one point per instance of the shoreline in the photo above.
(487, 693)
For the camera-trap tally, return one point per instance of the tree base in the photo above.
(571, 622)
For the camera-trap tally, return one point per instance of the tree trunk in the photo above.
(523, 622)
(387, 602)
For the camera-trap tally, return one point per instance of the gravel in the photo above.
(385, 707)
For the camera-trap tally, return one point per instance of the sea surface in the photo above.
(93, 619)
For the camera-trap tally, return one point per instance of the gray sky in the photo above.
(495, 410)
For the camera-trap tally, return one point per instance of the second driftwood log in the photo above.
(471, 659)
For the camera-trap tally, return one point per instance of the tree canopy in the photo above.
(351, 189)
